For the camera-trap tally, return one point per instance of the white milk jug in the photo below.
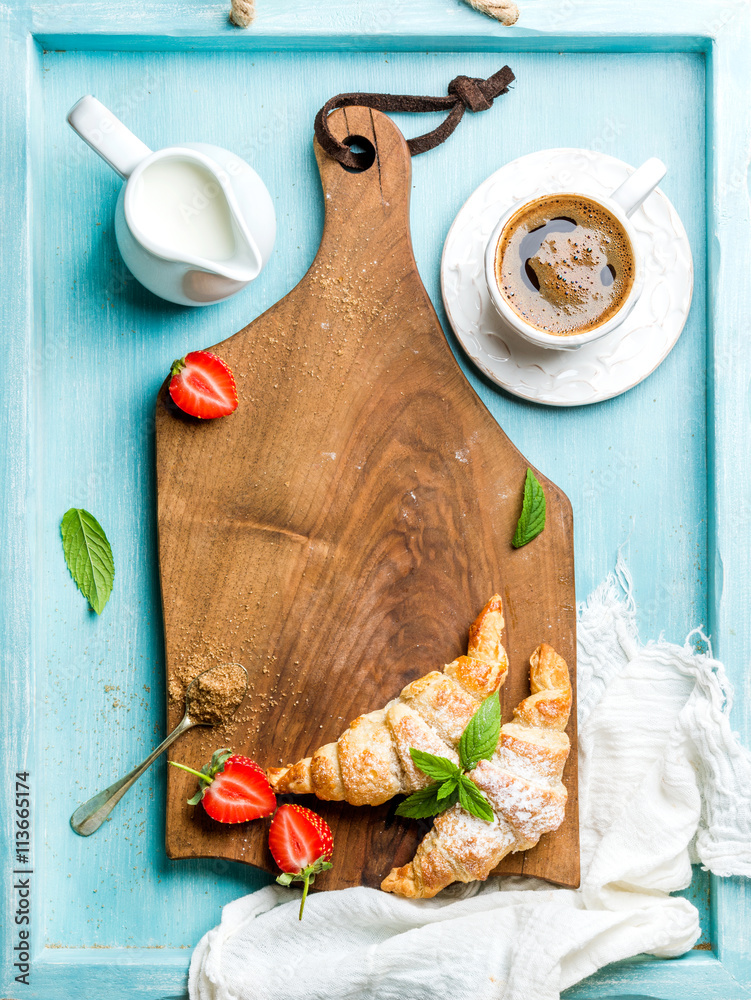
(194, 223)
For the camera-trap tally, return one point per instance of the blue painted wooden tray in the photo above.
(664, 469)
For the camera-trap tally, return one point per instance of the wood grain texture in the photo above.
(341, 530)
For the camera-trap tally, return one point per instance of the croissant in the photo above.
(522, 782)
(370, 762)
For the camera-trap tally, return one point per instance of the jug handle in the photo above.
(107, 135)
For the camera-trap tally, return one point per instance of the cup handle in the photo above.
(639, 185)
(107, 135)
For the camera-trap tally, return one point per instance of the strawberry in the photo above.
(233, 789)
(301, 843)
(203, 385)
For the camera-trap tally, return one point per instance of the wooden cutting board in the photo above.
(338, 533)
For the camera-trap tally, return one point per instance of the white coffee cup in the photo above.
(622, 203)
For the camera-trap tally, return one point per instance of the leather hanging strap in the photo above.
(464, 92)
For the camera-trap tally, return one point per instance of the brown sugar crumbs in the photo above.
(216, 694)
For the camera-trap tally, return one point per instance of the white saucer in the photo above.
(597, 371)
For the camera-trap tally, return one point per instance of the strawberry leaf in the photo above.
(218, 759)
(88, 555)
(440, 768)
(207, 773)
(307, 876)
(480, 737)
(473, 800)
(532, 518)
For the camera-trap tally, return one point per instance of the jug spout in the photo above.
(180, 205)
(246, 262)
(107, 135)
(218, 279)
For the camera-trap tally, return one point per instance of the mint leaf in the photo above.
(88, 555)
(440, 768)
(478, 742)
(421, 804)
(425, 802)
(480, 737)
(532, 518)
(473, 800)
(447, 787)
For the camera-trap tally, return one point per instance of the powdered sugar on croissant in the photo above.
(370, 762)
(522, 782)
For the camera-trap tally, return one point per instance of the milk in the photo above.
(180, 206)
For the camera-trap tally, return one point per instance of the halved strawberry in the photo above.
(234, 789)
(203, 385)
(301, 843)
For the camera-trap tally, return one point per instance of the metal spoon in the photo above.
(89, 817)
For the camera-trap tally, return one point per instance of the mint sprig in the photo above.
(451, 783)
(532, 518)
(88, 555)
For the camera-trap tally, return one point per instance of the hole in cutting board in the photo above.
(364, 151)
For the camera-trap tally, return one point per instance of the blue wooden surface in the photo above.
(660, 469)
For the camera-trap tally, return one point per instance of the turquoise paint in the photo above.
(425, 42)
(81, 390)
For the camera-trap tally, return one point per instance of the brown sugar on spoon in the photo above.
(217, 693)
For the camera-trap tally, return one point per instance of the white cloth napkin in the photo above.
(663, 780)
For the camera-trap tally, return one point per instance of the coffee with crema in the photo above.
(564, 264)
